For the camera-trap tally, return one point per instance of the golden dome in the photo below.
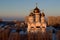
(31, 14)
(36, 10)
(42, 14)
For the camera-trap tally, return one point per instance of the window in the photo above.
(32, 27)
(37, 26)
(43, 27)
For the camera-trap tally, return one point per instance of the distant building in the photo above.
(1, 20)
(36, 21)
(58, 19)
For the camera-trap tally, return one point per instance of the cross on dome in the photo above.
(36, 10)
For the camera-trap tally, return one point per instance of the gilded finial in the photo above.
(43, 11)
(31, 11)
(36, 4)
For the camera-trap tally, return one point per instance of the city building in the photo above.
(36, 21)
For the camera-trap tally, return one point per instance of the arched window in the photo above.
(32, 27)
(43, 27)
(37, 26)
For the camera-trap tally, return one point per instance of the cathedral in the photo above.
(36, 21)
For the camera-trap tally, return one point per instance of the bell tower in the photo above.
(37, 14)
(43, 22)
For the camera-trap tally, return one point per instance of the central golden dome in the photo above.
(36, 10)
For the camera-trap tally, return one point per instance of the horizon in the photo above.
(22, 8)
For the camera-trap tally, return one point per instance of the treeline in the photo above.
(6, 34)
(53, 21)
(15, 33)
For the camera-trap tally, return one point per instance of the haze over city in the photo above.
(29, 19)
(21, 8)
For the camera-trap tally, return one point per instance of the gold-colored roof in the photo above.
(31, 14)
(42, 14)
(36, 10)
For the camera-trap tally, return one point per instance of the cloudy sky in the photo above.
(21, 8)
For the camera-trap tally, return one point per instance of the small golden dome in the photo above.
(42, 14)
(31, 14)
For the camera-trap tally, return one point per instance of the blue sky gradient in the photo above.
(21, 8)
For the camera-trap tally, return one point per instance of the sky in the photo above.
(22, 8)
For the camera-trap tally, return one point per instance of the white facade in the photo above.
(36, 21)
